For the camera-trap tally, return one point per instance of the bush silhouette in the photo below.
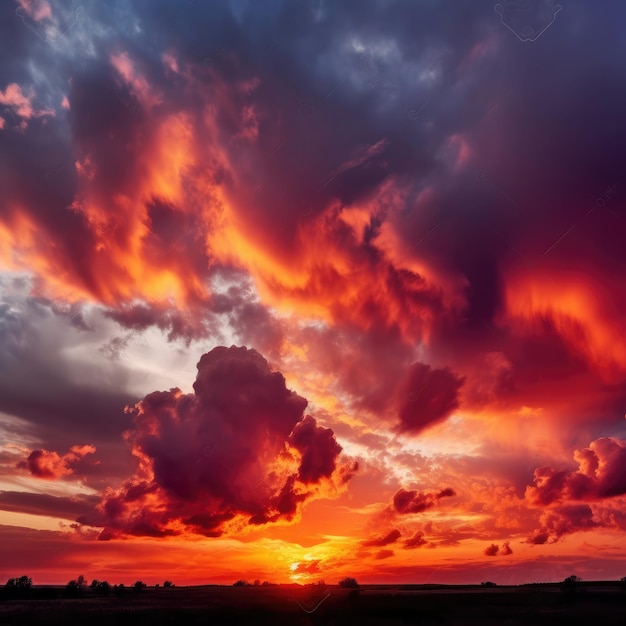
(168, 583)
(488, 583)
(241, 583)
(349, 583)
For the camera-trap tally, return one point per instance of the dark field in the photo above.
(598, 604)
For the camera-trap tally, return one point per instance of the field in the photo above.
(591, 603)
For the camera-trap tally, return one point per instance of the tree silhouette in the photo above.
(349, 583)
(23, 582)
(73, 589)
(168, 583)
(118, 590)
(139, 586)
(18, 587)
(571, 585)
(101, 587)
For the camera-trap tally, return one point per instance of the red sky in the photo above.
(300, 290)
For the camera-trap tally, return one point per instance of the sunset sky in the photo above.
(301, 289)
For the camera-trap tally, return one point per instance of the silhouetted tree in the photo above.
(571, 585)
(257, 583)
(18, 587)
(139, 586)
(73, 589)
(241, 583)
(23, 582)
(488, 583)
(349, 583)
(118, 590)
(101, 587)
(168, 583)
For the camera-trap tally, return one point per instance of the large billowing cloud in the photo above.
(601, 474)
(582, 499)
(239, 449)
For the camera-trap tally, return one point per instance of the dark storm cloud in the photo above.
(334, 78)
(240, 445)
(303, 48)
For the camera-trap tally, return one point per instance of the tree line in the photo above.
(23, 586)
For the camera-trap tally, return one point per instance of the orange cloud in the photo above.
(50, 465)
(581, 312)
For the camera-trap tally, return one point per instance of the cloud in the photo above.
(318, 448)
(308, 567)
(383, 554)
(601, 474)
(390, 537)
(492, 550)
(429, 396)
(20, 103)
(416, 540)
(556, 522)
(239, 449)
(47, 505)
(405, 502)
(506, 549)
(51, 465)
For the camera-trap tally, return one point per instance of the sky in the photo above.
(294, 290)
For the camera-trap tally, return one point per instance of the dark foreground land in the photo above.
(592, 603)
